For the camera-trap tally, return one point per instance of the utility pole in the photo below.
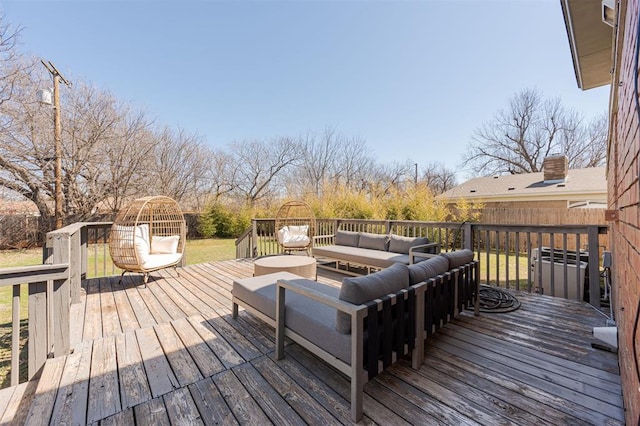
(57, 138)
(415, 180)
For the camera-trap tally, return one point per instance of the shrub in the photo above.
(219, 220)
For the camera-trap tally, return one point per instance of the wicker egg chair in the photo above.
(148, 235)
(295, 226)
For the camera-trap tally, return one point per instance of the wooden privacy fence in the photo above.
(542, 217)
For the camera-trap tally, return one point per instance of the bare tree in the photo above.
(11, 62)
(219, 179)
(319, 160)
(26, 155)
(390, 176)
(520, 137)
(437, 177)
(356, 167)
(585, 145)
(259, 165)
(179, 164)
(104, 147)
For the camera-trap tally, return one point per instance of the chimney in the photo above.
(555, 168)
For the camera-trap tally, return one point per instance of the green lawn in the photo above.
(497, 266)
(197, 251)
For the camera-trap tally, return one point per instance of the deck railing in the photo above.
(506, 254)
(48, 314)
(533, 258)
(70, 254)
(83, 246)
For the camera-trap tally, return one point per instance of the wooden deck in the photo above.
(170, 353)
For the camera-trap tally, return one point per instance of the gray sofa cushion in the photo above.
(399, 244)
(458, 257)
(362, 256)
(347, 238)
(314, 320)
(429, 268)
(363, 289)
(373, 241)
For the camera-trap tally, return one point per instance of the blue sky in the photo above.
(412, 78)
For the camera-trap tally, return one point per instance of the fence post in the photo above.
(84, 246)
(61, 302)
(15, 337)
(75, 264)
(594, 267)
(254, 238)
(468, 236)
(38, 336)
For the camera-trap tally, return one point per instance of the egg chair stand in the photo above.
(148, 235)
(295, 226)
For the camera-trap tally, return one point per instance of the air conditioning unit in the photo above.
(547, 263)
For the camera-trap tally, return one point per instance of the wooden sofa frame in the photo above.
(433, 303)
(355, 370)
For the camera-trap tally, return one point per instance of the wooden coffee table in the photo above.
(304, 266)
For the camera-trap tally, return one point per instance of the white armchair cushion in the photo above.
(164, 245)
(299, 230)
(294, 236)
(139, 240)
(159, 261)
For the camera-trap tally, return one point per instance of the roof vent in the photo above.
(473, 190)
(496, 177)
(510, 188)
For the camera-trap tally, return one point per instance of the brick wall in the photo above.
(623, 171)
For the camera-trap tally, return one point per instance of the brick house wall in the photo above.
(624, 197)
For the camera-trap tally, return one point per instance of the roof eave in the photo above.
(590, 42)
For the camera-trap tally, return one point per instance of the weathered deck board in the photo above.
(93, 313)
(134, 387)
(170, 353)
(159, 374)
(211, 404)
(240, 401)
(17, 408)
(104, 389)
(42, 405)
(71, 402)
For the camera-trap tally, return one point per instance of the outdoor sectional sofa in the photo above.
(370, 251)
(369, 322)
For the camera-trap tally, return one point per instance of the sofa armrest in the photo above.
(320, 297)
(324, 240)
(424, 251)
(357, 311)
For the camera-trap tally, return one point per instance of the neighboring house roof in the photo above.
(13, 207)
(580, 185)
